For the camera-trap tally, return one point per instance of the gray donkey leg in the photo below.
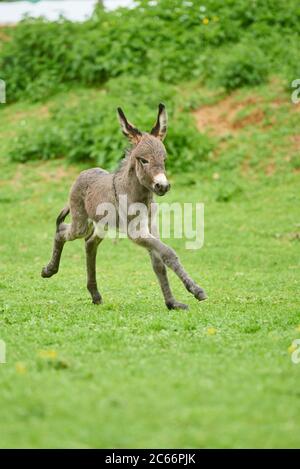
(79, 228)
(91, 246)
(161, 273)
(59, 241)
(171, 260)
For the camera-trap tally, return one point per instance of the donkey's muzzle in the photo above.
(161, 188)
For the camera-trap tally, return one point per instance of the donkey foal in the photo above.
(141, 174)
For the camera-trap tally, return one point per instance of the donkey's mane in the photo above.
(123, 161)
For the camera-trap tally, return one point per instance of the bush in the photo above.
(91, 134)
(244, 66)
(169, 40)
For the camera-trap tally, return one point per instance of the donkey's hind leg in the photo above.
(78, 228)
(59, 241)
(91, 246)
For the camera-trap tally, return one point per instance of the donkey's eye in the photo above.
(143, 161)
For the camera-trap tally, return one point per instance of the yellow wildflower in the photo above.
(211, 331)
(21, 368)
(205, 21)
(48, 354)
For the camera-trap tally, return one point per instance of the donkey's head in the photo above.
(149, 153)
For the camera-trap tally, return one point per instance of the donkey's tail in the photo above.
(61, 217)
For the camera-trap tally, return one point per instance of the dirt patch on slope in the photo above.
(231, 114)
(295, 140)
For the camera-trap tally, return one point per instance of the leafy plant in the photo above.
(81, 132)
(244, 66)
(169, 40)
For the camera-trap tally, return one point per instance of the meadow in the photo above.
(130, 373)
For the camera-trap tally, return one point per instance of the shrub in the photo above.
(244, 66)
(170, 40)
(91, 133)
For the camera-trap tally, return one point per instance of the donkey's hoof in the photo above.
(46, 273)
(200, 294)
(97, 300)
(176, 305)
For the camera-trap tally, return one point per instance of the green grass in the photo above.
(130, 373)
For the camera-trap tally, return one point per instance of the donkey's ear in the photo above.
(128, 129)
(160, 128)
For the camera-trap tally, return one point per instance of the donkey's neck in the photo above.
(126, 182)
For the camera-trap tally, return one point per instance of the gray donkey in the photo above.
(141, 174)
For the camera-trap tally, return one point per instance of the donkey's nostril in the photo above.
(161, 188)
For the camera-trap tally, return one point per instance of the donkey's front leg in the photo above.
(159, 266)
(91, 246)
(170, 258)
(161, 273)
